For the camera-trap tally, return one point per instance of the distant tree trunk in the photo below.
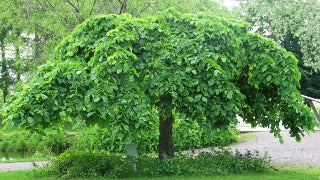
(165, 128)
(37, 45)
(123, 7)
(4, 71)
(17, 57)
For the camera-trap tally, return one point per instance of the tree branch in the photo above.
(50, 4)
(74, 7)
(40, 5)
(114, 6)
(94, 2)
(144, 9)
(123, 6)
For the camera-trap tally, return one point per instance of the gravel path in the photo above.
(21, 165)
(307, 152)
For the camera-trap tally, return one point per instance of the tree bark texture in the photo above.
(165, 129)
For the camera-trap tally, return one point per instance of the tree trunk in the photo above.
(123, 7)
(4, 72)
(37, 45)
(5, 94)
(18, 63)
(165, 128)
(165, 138)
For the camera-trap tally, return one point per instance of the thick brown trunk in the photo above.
(165, 129)
(165, 138)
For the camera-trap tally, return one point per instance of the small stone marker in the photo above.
(132, 153)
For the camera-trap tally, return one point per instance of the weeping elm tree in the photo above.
(122, 72)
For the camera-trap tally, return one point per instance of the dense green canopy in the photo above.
(122, 72)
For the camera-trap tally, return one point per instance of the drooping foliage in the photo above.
(123, 73)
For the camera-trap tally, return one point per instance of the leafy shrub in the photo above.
(22, 141)
(54, 141)
(207, 163)
(100, 163)
(15, 141)
(187, 134)
(83, 163)
(97, 138)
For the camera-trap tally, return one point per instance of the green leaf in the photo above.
(215, 64)
(96, 98)
(204, 99)
(264, 68)
(44, 96)
(269, 77)
(30, 120)
(119, 71)
(230, 95)
(9, 123)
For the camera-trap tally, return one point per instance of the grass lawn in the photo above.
(243, 137)
(290, 174)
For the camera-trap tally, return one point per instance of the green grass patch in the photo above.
(25, 175)
(243, 137)
(284, 174)
(30, 159)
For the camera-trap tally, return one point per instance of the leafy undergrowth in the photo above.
(186, 135)
(100, 163)
(20, 140)
(53, 142)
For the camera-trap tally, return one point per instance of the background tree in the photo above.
(11, 41)
(122, 72)
(295, 25)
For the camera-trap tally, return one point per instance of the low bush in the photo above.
(186, 135)
(74, 163)
(14, 141)
(97, 138)
(189, 134)
(83, 163)
(23, 141)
